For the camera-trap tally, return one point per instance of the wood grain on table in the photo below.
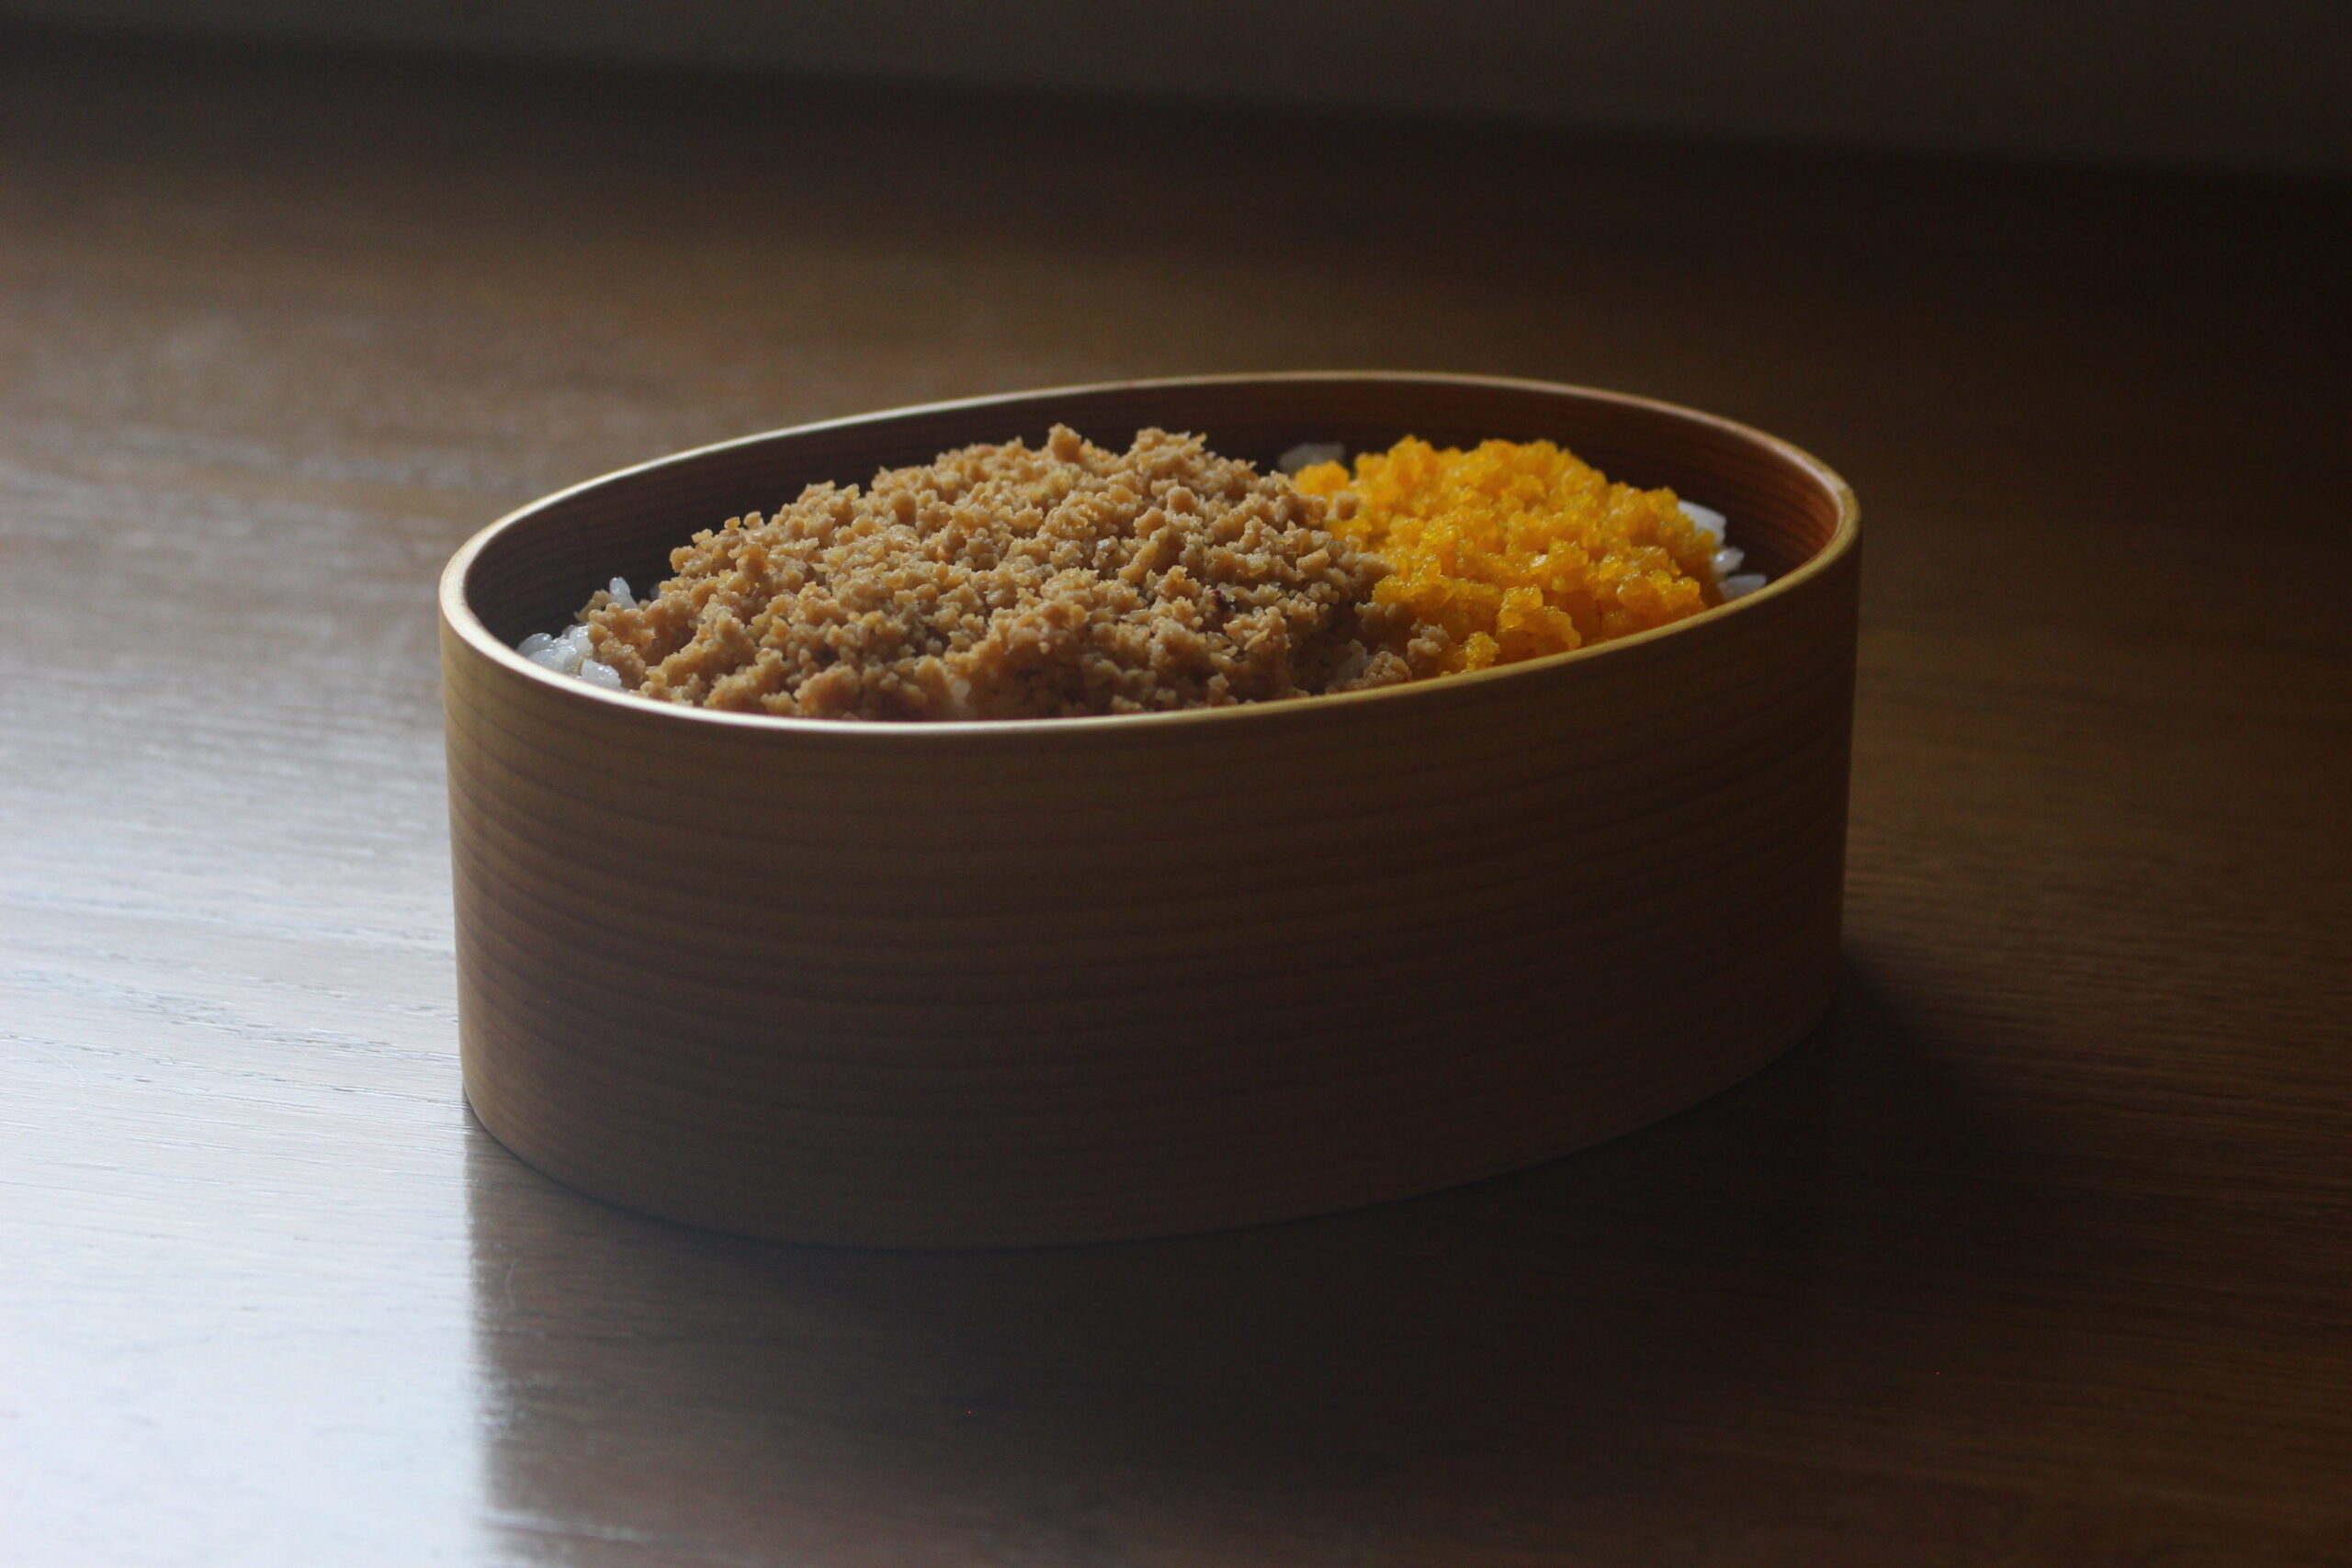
(2039, 1252)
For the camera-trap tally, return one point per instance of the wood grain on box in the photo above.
(1072, 980)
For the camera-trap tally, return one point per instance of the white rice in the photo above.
(1729, 558)
(1307, 454)
(567, 652)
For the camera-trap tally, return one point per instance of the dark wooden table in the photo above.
(2039, 1252)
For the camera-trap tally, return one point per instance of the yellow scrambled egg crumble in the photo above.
(1518, 550)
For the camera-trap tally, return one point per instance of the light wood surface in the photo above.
(1019, 982)
(2037, 1253)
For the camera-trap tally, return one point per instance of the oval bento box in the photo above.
(990, 983)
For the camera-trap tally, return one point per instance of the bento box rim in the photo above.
(459, 615)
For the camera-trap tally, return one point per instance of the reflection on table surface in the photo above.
(1482, 1370)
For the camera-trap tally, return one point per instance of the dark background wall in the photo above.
(2254, 84)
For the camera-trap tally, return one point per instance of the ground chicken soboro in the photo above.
(1007, 582)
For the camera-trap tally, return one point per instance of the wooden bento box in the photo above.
(1009, 983)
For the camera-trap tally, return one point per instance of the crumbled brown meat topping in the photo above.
(1007, 582)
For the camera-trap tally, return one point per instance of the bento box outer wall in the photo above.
(1081, 979)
